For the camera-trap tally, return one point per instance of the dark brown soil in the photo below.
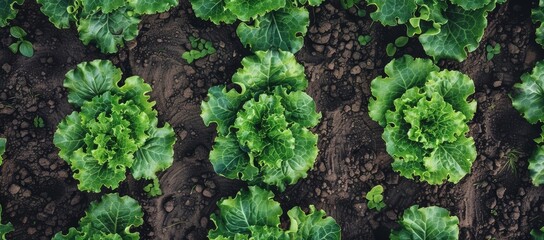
(496, 200)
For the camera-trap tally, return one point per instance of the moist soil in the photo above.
(496, 200)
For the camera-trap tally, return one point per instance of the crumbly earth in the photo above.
(496, 200)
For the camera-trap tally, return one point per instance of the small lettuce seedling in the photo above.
(425, 112)
(8, 11)
(21, 45)
(108, 24)
(364, 39)
(263, 130)
(113, 217)
(375, 198)
(114, 129)
(253, 214)
(431, 222)
(492, 51)
(38, 122)
(348, 3)
(200, 49)
(2, 148)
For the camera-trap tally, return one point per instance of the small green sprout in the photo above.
(348, 3)
(23, 46)
(200, 49)
(401, 41)
(153, 189)
(38, 122)
(364, 39)
(375, 198)
(361, 12)
(390, 49)
(492, 51)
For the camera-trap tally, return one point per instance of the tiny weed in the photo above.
(38, 122)
(200, 49)
(21, 45)
(492, 51)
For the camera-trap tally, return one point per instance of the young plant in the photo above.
(364, 39)
(538, 234)
(425, 112)
(110, 218)
(38, 122)
(446, 29)
(200, 49)
(427, 223)
(106, 23)
(253, 214)
(537, 14)
(492, 51)
(8, 11)
(263, 134)
(528, 99)
(114, 130)
(266, 24)
(375, 198)
(348, 3)
(21, 45)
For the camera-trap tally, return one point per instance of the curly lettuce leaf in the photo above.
(69, 136)
(402, 74)
(151, 6)
(461, 34)
(8, 11)
(2, 148)
(110, 30)
(427, 223)
(283, 29)
(90, 79)
(57, 12)
(471, 5)
(267, 233)
(536, 166)
(92, 175)
(4, 228)
(451, 160)
(268, 69)
(253, 207)
(455, 88)
(110, 218)
(299, 108)
(314, 225)
(528, 96)
(156, 154)
(393, 12)
(537, 15)
(213, 10)
(246, 10)
(429, 19)
(222, 106)
(538, 234)
(295, 167)
(230, 160)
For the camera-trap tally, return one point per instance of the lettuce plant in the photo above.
(446, 29)
(8, 11)
(4, 228)
(528, 99)
(537, 14)
(107, 23)
(538, 234)
(427, 223)
(263, 134)
(253, 214)
(266, 24)
(425, 112)
(114, 130)
(110, 218)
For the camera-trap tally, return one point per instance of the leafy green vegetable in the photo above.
(538, 234)
(107, 23)
(4, 228)
(528, 96)
(427, 223)
(446, 29)
(115, 130)
(8, 10)
(253, 214)
(375, 198)
(536, 166)
(111, 218)
(537, 14)
(262, 130)
(2, 148)
(266, 24)
(424, 113)
(282, 29)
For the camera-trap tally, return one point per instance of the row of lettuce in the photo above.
(263, 123)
